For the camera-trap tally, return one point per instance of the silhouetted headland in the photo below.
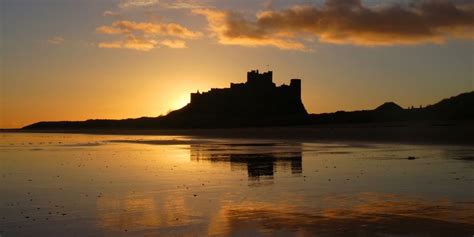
(452, 109)
(260, 103)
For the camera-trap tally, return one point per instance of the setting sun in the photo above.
(180, 101)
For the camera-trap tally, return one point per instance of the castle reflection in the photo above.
(261, 160)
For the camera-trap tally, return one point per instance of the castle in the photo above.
(258, 96)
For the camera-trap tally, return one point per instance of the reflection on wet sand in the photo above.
(128, 213)
(143, 213)
(374, 215)
(362, 214)
(138, 186)
(259, 159)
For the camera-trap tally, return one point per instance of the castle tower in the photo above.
(295, 85)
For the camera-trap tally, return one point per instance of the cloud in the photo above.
(56, 40)
(169, 4)
(145, 45)
(110, 13)
(181, 4)
(224, 23)
(142, 36)
(111, 45)
(149, 28)
(175, 44)
(151, 33)
(137, 3)
(131, 42)
(109, 30)
(345, 22)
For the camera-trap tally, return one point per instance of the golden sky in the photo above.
(75, 60)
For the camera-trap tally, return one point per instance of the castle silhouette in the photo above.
(257, 97)
(259, 103)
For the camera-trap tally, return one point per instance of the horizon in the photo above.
(309, 113)
(116, 59)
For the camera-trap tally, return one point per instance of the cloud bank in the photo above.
(345, 22)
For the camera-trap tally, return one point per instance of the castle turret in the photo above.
(295, 85)
(195, 97)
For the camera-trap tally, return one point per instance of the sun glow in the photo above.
(180, 101)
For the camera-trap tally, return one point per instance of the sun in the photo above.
(180, 101)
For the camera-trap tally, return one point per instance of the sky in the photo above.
(114, 59)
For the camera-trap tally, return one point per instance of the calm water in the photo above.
(97, 185)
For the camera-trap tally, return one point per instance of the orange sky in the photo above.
(75, 60)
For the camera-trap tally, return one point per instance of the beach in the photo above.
(56, 184)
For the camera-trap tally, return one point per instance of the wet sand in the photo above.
(128, 185)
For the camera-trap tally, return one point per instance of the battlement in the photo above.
(254, 77)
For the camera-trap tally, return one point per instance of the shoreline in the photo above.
(433, 132)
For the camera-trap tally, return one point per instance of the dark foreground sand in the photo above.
(461, 133)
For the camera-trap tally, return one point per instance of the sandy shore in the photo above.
(96, 185)
(461, 133)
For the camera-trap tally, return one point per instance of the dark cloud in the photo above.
(346, 22)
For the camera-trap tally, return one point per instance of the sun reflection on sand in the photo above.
(369, 213)
(142, 213)
(128, 213)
